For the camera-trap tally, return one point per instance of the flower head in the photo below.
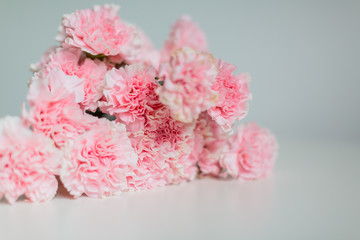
(175, 141)
(214, 143)
(96, 31)
(84, 76)
(128, 93)
(97, 163)
(252, 153)
(56, 114)
(234, 95)
(28, 162)
(163, 146)
(184, 33)
(151, 170)
(188, 78)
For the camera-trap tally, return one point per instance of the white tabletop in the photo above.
(313, 194)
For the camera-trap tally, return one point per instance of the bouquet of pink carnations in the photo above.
(108, 113)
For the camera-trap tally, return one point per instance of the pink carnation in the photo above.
(209, 161)
(66, 60)
(184, 33)
(151, 170)
(162, 128)
(84, 76)
(28, 163)
(169, 138)
(188, 78)
(214, 144)
(97, 163)
(93, 73)
(56, 114)
(96, 31)
(128, 93)
(175, 141)
(252, 153)
(163, 146)
(177, 144)
(185, 167)
(234, 94)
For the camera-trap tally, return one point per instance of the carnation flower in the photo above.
(97, 163)
(162, 128)
(93, 73)
(56, 114)
(83, 76)
(151, 170)
(64, 59)
(163, 146)
(175, 141)
(188, 78)
(96, 31)
(28, 163)
(234, 94)
(184, 167)
(252, 153)
(128, 93)
(209, 160)
(215, 142)
(184, 33)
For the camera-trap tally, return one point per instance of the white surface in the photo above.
(313, 194)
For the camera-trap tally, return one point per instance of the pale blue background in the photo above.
(303, 56)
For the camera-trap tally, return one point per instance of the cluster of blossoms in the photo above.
(109, 113)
